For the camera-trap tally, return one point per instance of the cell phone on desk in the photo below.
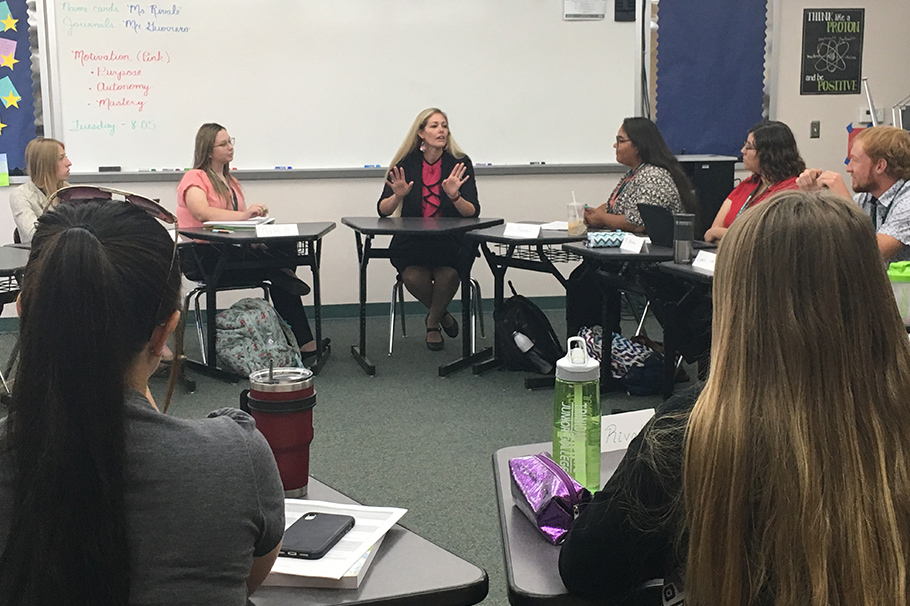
(314, 534)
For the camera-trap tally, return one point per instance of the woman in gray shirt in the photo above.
(104, 500)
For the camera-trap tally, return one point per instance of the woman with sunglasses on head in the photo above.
(430, 176)
(47, 167)
(654, 177)
(210, 193)
(771, 154)
(104, 500)
(786, 480)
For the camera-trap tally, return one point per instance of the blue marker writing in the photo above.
(371, 165)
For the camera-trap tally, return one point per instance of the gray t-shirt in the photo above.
(203, 498)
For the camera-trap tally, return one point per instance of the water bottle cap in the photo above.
(577, 365)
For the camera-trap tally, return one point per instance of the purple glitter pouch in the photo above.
(546, 494)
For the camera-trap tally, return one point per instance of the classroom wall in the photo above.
(885, 53)
(543, 197)
(514, 198)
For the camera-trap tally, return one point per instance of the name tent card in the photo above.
(704, 260)
(632, 243)
(616, 431)
(521, 230)
(277, 229)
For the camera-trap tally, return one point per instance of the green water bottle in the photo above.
(576, 415)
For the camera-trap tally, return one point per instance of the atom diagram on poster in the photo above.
(831, 55)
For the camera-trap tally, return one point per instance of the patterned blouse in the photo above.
(646, 184)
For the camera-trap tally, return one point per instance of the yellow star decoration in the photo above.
(2, 126)
(12, 99)
(9, 23)
(8, 61)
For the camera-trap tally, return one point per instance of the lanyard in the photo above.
(748, 201)
(622, 185)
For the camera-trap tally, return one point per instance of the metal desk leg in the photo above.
(499, 279)
(467, 358)
(322, 353)
(359, 352)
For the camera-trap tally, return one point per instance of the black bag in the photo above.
(520, 314)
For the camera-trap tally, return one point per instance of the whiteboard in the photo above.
(317, 84)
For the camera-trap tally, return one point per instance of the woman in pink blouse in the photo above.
(210, 193)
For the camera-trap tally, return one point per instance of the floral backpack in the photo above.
(249, 334)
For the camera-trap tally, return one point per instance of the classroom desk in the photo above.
(532, 254)
(408, 570)
(679, 313)
(232, 246)
(531, 563)
(623, 269)
(367, 228)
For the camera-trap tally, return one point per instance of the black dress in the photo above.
(432, 251)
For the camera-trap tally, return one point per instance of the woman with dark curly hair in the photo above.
(770, 152)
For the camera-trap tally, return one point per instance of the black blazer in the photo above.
(413, 171)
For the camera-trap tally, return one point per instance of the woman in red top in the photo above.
(771, 154)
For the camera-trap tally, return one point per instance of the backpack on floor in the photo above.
(519, 314)
(249, 334)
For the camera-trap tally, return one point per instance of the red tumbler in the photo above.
(281, 401)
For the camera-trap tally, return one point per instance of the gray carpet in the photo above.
(408, 438)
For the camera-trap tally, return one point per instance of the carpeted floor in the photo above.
(408, 438)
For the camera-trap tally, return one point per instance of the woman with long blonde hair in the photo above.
(430, 176)
(787, 483)
(47, 167)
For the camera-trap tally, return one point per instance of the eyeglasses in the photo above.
(620, 140)
(88, 193)
(748, 146)
(230, 142)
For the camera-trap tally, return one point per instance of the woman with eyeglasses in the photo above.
(786, 480)
(430, 176)
(103, 499)
(654, 177)
(47, 167)
(771, 154)
(210, 193)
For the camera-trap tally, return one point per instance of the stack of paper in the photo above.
(245, 224)
(345, 565)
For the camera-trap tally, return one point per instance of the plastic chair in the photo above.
(397, 300)
(189, 259)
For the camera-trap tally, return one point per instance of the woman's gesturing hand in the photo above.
(454, 181)
(400, 186)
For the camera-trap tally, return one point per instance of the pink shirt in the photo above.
(198, 178)
(432, 177)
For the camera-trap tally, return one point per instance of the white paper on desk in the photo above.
(277, 229)
(616, 431)
(556, 226)
(521, 230)
(632, 243)
(245, 223)
(704, 260)
(370, 524)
